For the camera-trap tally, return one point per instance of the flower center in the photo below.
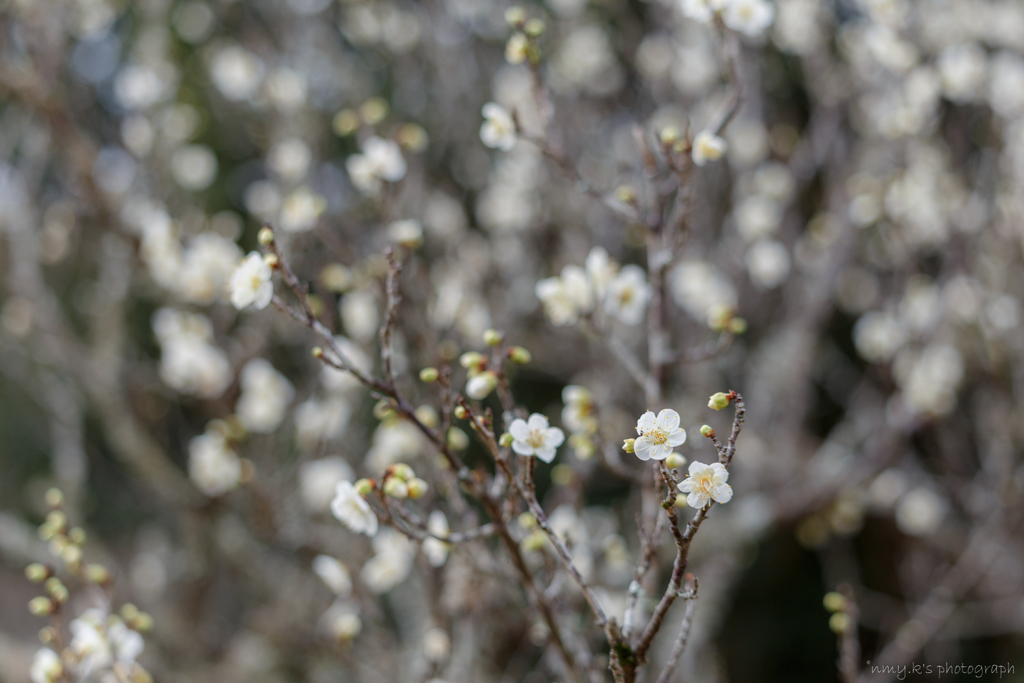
(536, 439)
(656, 435)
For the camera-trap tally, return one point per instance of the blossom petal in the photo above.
(696, 468)
(668, 420)
(643, 449)
(722, 493)
(686, 486)
(677, 438)
(721, 475)
(519, 430)
(661, 451)
(553, 437)
(537, 422)
(696, 500)
(646, 422)
(545, 454)
(521, 447)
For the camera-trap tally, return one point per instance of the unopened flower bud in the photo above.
(519, 355)
(363, 486)
(383, 410)
(718, 401)
(317, 352)
(58, 591)
(680, 501)
(346, 627)
(472, 361)
(460, 412)
(429, 375)
(674, 461)
(265, 236)
(506, 440)
(129, 611)
(839, 622)
(458, 439)
(480, 386)
(77, 535)
(669, 134)
(515, 16)
(47, 635)
(625, 194)
(374, 110)
(271, 260)
(57, 519)
(527, 520)
(492, 337)
(534, 27)
(97, 573)
(627, 445)
(36, 572)
(707, 431)
(143, 622)
(535, 541)
(427, 415)
(396, 488)
(41, 606)
(402, 471)
(54, 498)
(737, 326)
(71, 554)
(417, 488)
(345, 122)
(562, 475)
(834, 602)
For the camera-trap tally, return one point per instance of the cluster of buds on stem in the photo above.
(400, 481)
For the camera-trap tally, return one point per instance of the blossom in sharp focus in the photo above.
(749, 17)
(658, 435)
(707, 147)
(706, 483)
(352, 511)
(250, 284)
(628, 294)
(499, 129)
(535, 437)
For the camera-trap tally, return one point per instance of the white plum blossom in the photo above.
(578, 414)
(250, 284)
(628, 294)
(499, 129)
(190, 363)
(265, 396)
(318, 480)
(701, 10)
(565, 298)
(46, 667)
(658, 435)
(535, 437)
(381, 160)
(392, 563)
(213, 467)
(435, 549)
(236, 72)
(301, 210)
(750, 17)
(100, 641)
(707, 147)
(334, 574)
(352, 511)
(207, 264)
(706, 483)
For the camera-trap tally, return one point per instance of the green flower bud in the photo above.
(77, 535)
(396, 488)
(429, 375)
(515, 16)
(417, 488)
(562, 475)
(625, 194)
(41, 606)
(129, 611)
(383, 410)
(37, 573)
(460, 412)
(680, 501)
(143, 622)
(737, 326)
(707, 431)
(519, 355)
(674, 461)
(492, 337)
(534, 27)
(506, 440)
(363, 487)
(472, 360)
(834, 602)
(54, 498)
(97, 573)
(57, 519)
(402, 471)
(839, 622)
(669, 134)
(317, 352)
(265, 236)
(718, 401)
(527, 520)
(457, 439)
(627, 445)
(535, 541)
